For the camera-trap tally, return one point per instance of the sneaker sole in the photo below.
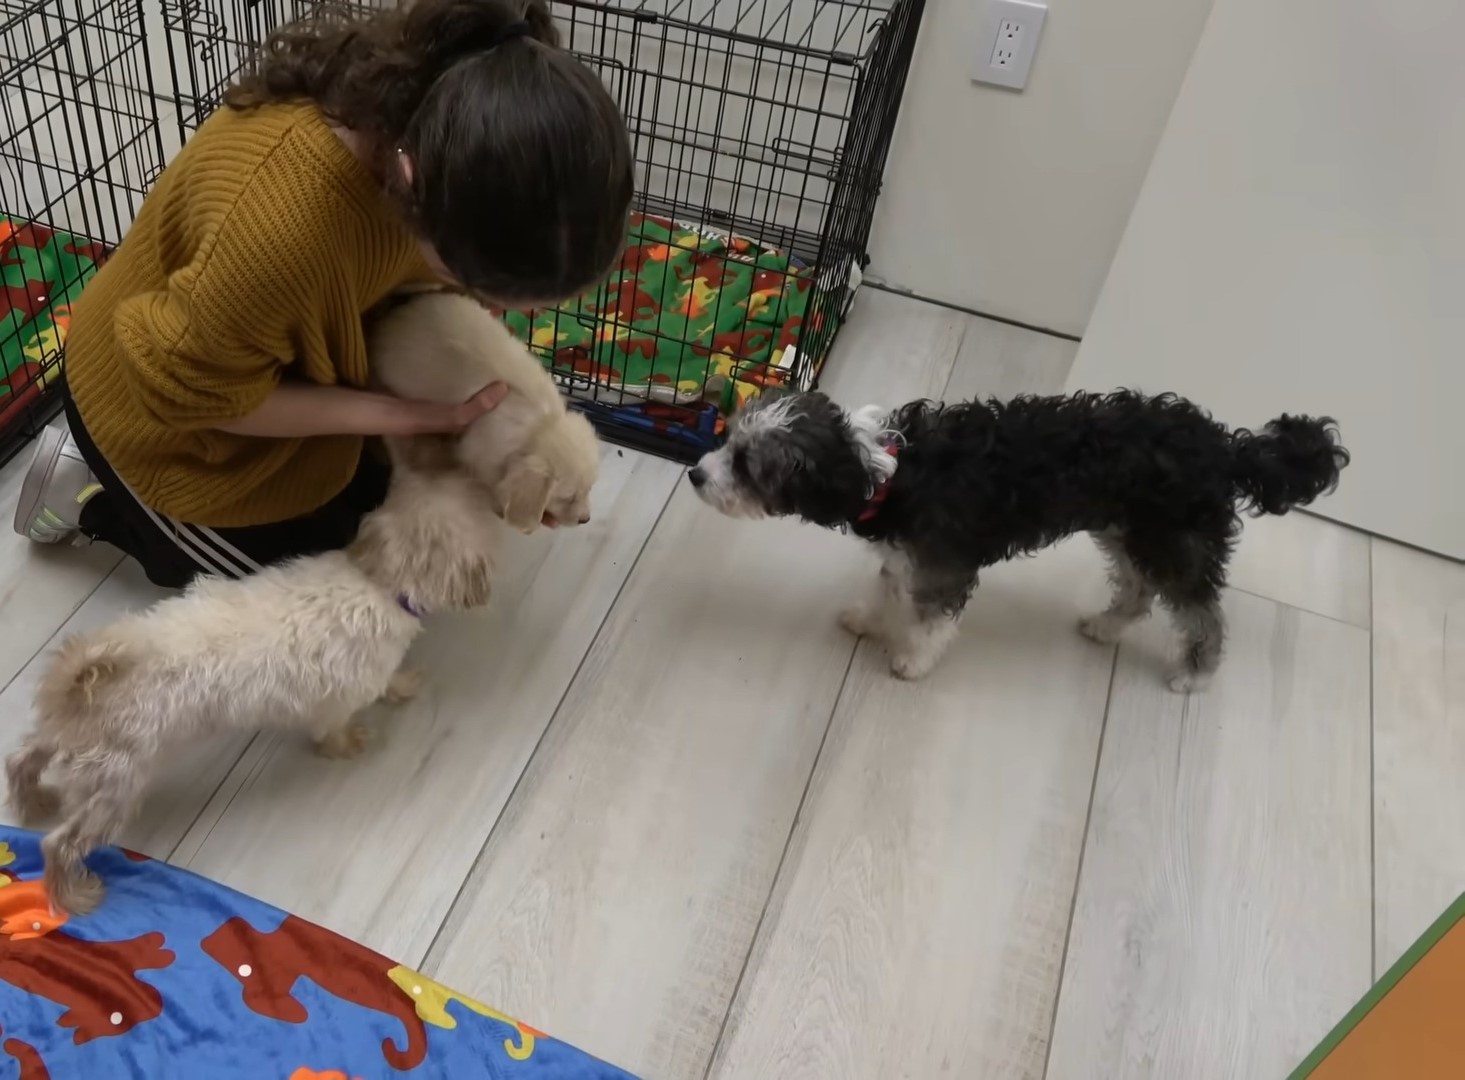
(37, 478)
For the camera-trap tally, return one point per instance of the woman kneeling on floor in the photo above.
(216, 368)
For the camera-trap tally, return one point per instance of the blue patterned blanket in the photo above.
(176, 975)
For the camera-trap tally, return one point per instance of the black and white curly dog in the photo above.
(946, 490)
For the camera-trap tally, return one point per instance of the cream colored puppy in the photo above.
(538, 457)
(304, 645)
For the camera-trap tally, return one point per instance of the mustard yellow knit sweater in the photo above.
(252, 260)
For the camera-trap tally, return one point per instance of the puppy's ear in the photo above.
(464, 581)
(524, 491)
(434, 569)
(381, 555)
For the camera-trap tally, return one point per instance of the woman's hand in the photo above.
(300, 410)
(430, 418)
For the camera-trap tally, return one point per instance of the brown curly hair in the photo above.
(522, 168)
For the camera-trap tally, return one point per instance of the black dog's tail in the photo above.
(1288, 463)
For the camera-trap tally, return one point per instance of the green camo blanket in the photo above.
(687, 316)
(41, 272)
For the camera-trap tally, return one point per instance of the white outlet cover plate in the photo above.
(1029, 17)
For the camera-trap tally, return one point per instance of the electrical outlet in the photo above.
(1009, 40)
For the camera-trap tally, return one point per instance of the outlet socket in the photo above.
(1009, 38)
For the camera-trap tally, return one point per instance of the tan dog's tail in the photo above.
(82, 669)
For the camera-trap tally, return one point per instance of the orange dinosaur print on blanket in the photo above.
(269, 964)
(25, 909)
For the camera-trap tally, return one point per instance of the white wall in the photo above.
(1300, 246)
(1013, 203)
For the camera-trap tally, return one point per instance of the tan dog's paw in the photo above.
(343, 742)
(405, 685)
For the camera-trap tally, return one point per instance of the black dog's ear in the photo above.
(830, 495)
(824, 478)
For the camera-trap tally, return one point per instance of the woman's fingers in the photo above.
(486, 400)
(430, 418)
(491, 396)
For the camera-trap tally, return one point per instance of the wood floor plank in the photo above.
(376, 848)
(617, 899)
(1222, 923)
(185, 782)
(892, 350)
(919, 921)
(1419, 743)
(1307, 562)
(1001, 361)
(40, 586)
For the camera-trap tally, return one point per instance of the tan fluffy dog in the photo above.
(537, 456)
(303, 645)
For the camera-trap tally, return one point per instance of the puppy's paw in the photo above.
(405, 685)
(343, 742)
(858, 620)
(1102, 628)
(1185, 681)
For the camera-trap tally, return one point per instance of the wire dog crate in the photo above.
(80, 144)
(760, 130)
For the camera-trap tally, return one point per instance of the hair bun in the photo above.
(541, 23)
(512, 30)
(533, 22)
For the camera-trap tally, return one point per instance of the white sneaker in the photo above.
(56, 487)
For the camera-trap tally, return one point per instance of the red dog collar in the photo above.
(877, 499)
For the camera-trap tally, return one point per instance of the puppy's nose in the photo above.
(585, 518)
(697, 476)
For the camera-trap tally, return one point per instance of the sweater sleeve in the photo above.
(213, 344)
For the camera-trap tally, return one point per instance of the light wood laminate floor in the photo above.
(656, 802)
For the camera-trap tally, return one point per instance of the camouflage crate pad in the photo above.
(41, 272)
(687, 317)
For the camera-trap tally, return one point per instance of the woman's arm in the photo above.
(300, 410)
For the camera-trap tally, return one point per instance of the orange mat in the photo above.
(1412, 1023)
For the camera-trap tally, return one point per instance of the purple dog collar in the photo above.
(405, 603)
